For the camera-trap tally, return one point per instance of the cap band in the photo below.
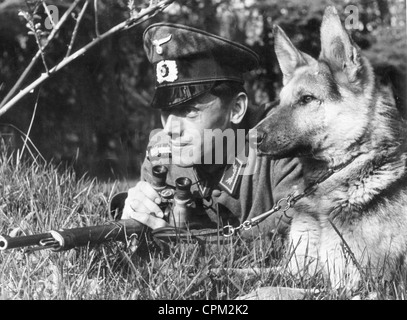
(194, 71)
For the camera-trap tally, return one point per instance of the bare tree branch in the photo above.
(75, 31)
(51, 36)
(129, 23)
(48, 13)
(96, 18)
(36, 36)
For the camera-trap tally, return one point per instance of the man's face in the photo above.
(190, 126)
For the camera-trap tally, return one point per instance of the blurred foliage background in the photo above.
(94, 114)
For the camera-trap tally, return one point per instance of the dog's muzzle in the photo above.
(257, 137)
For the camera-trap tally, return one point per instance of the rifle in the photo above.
(65, 239)
(177, 201)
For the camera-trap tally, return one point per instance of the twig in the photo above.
(247, 271)
(349, 251)
(27, 70)
(96, 18)
(48, 14)
(347, 248)
(20, 155)
(75, 31)
(28, 138)
(37, 39)
(31, 123)
(129, 23)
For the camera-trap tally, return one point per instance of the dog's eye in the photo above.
(306, 99)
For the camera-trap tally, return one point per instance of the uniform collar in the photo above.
(232, 176)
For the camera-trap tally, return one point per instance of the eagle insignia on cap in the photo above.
(167, 71)
(157, 44)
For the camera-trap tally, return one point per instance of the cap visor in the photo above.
(167, 97)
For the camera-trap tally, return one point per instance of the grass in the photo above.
(38, 197)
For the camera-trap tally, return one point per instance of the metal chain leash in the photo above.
(228, 231)
(289, 202)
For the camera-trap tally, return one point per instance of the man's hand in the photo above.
(142, 205)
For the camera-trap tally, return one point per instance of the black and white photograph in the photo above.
(219, 152)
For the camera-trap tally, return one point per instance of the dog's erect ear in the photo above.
(337, 47)
(289, 57)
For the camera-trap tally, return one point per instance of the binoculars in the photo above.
(176, 203)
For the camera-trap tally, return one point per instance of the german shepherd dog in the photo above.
(333, 113)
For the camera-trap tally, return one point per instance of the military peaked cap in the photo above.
(188, 61)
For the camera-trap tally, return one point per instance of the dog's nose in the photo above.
(257, 136)
(261, 136)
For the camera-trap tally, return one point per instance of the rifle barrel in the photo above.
(66, 239)
(7, 242)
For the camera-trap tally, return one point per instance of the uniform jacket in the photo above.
(252, 194)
